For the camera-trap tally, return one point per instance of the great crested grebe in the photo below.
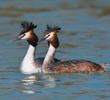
(30, 64)
(65, 66)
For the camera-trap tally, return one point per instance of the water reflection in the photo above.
(27, 82)
(30, 81)
(51, 81)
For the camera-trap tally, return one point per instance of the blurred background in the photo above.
(85, 34)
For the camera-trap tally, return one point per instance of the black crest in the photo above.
(27, 26)
(51, 28)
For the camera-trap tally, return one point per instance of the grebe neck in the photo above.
(48, 58)
(31, 52)
(28, 65)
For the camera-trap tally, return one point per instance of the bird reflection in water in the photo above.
(29, 83)
(50, 81)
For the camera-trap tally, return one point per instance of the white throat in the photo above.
(28, 65)
(48, 58)
(31, 52)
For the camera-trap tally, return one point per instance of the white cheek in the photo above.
(26, 36)
(50, 37)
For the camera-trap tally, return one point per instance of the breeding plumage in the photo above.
(74, 65)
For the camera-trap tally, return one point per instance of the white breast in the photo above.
(28, 65)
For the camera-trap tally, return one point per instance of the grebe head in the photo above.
(50, 35)
(27, 33)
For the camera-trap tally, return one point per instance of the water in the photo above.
(85, 35)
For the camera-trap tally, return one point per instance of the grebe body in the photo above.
(75, 66)
(69, 65)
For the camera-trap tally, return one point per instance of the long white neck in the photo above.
(31, 52)
(48, 58)
(29, 65)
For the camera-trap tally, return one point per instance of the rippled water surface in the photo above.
(85, 35)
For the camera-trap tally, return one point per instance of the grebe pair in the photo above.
(49, 64)
(30, 64)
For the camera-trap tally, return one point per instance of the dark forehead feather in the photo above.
(51, 28)
(27, 26)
